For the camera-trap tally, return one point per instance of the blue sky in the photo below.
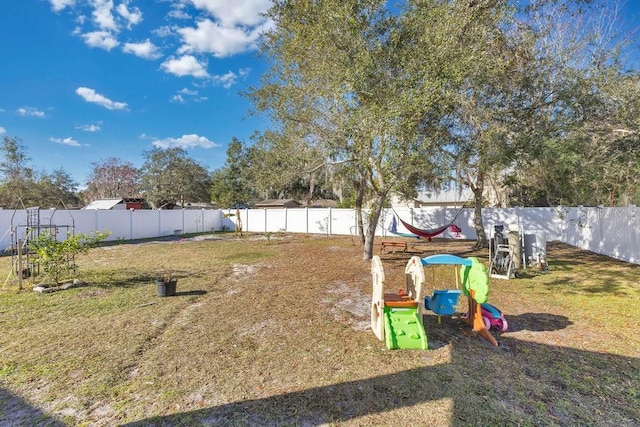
(85, 80)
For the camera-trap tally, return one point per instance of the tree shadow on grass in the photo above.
(538, 322)
(519, 382)
(603, 286)
(132, 278)
(15, 411)
(190, 293)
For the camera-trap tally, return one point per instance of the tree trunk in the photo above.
(478, 225)
(374, 217)
(359, 220)
(312, 186)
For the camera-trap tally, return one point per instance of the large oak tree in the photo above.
(366, 85)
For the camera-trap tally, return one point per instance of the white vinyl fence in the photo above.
(343, 221)
(123, 224)
(609, 231)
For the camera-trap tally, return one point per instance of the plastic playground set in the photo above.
(396, 318)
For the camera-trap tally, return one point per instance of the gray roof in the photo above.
(277, 202)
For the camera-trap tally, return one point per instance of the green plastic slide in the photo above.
(403, 329)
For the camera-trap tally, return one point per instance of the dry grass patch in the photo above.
(275, 332)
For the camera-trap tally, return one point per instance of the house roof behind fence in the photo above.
(103, 204)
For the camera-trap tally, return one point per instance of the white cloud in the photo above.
(103, 16)
(185, 141)
(145, 49)
(186, 91)
(229, 79)
(225, 80)
(58, 5)
(133, 16)
(101, 39)
(177, 98)
(164, 31)
(219, 40)
(2, 130)
(178, 14)
(30, 111)
(89, 128)
(246, 12)
(186, 65)
(92, 96)
(177, 10)
(66, 141)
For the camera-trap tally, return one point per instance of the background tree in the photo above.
(57, 187)
(230, 185)
(169, 178)
(112, 178)
(16, 174)
(595, 164)
(591, 107)
(530, 102)
(21, 185)
(282, 167)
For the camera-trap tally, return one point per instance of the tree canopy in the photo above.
(112, 178)
(366, 87)
(475, 91)
(21, 186)
(171, 178)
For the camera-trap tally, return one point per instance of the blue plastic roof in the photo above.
(446, 259)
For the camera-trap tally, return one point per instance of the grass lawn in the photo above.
(274, 330)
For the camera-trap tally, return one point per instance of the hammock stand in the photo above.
(418, 232)
(393, 229)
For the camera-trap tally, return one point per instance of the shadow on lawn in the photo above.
(130, 278)
(15, 411)
(519, 382)
(538, 322)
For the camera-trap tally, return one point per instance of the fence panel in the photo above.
(608, 231)
(343, 221)
(297, 220)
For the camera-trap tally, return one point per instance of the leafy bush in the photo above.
(57, 256)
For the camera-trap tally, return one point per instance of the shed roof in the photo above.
(276, 203)
(103, 204)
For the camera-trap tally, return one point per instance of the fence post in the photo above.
(20, 264)
(131, 224)
(330, 226)
(265, 220)
(306, 211)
